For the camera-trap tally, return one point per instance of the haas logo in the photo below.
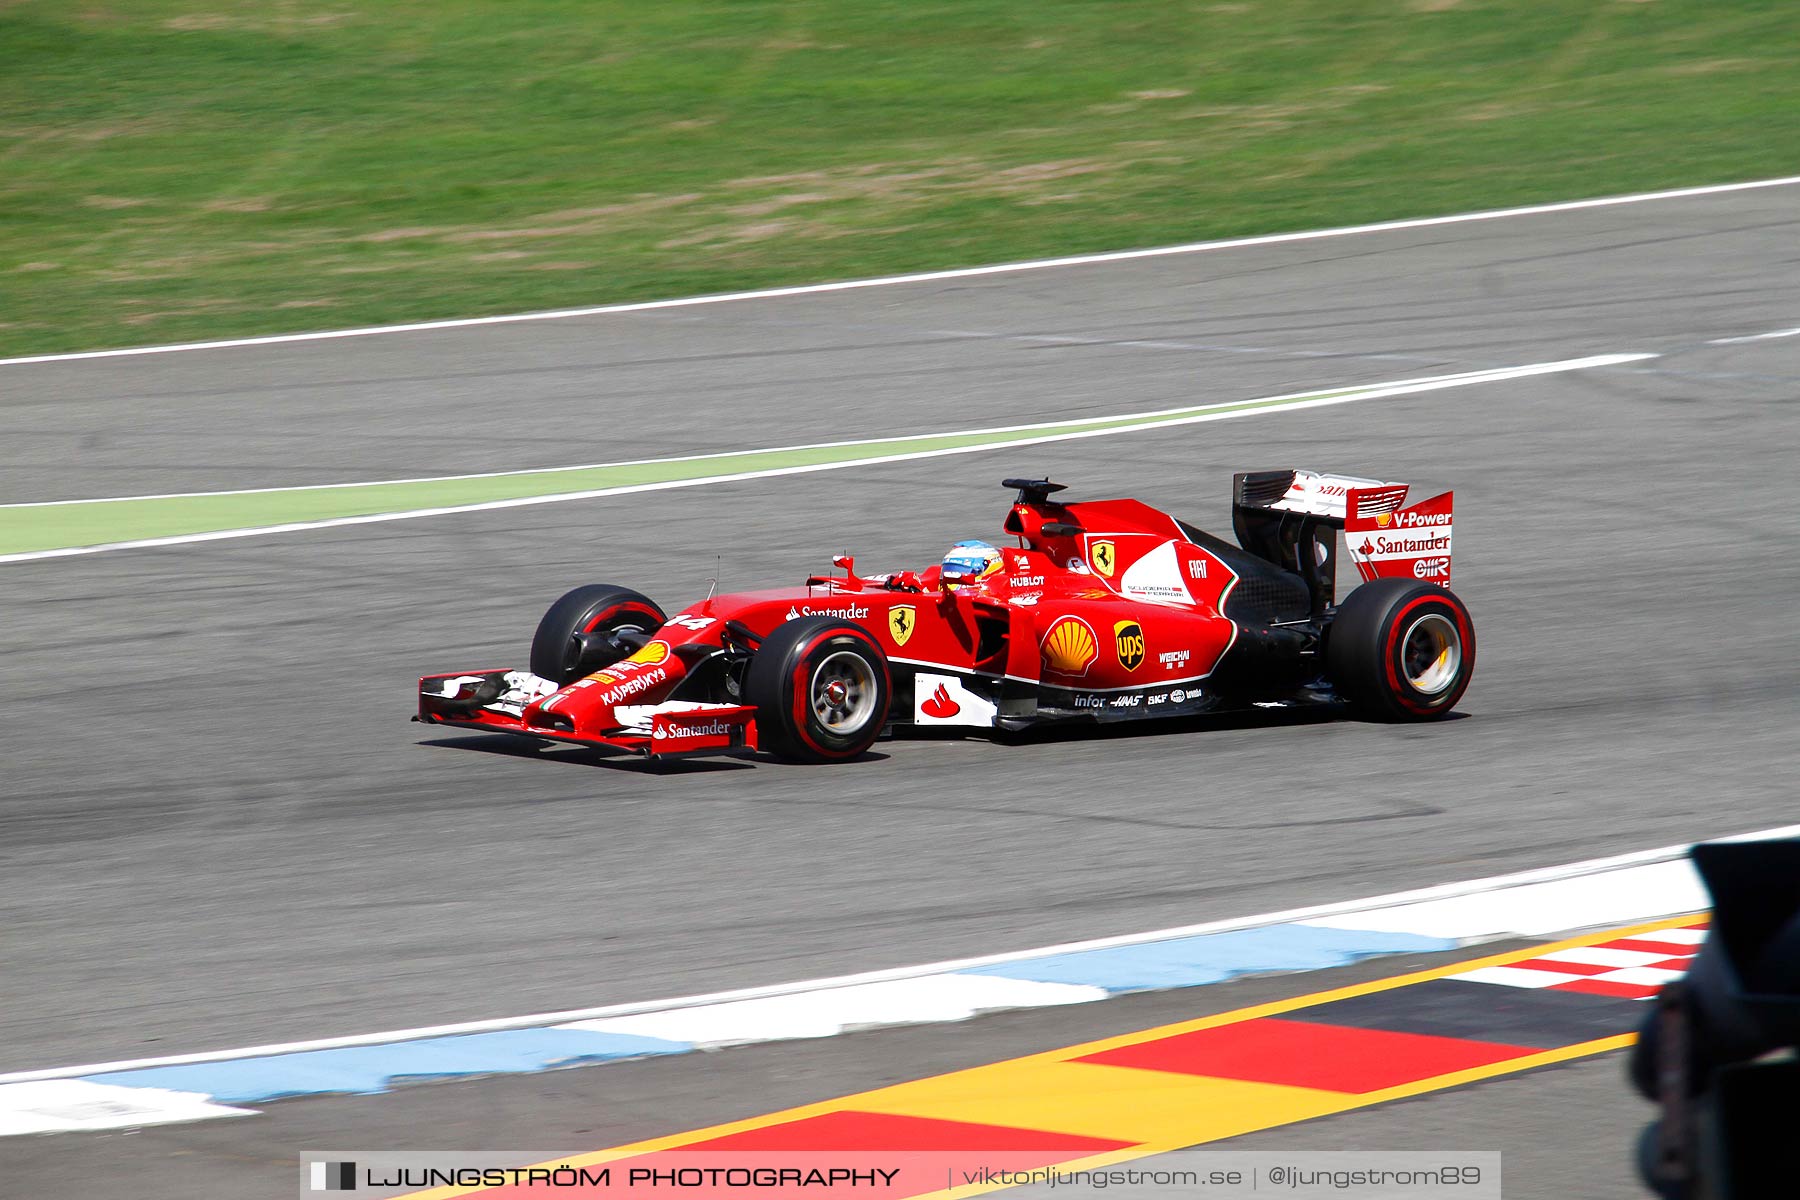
(940, 706)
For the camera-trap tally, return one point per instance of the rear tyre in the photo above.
(558, 654)
(1400, 650)
(821, 690)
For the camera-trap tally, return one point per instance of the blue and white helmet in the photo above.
(969, 561)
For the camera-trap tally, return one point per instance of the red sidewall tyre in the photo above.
(554, 651)
(798, 713)
(1400, 650)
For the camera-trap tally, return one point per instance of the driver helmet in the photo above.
(969, 561)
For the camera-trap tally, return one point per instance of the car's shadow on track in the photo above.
(1204, 723)
(612, 760)
(582, 756)
(618, 760)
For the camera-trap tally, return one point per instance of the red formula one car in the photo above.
(1104, 610)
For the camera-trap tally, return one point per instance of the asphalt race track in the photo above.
(219, 829)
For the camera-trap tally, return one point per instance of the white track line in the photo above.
(813, 289)
(1068, 423)
(1445, 891)
(1371, 392)
(1756, 337)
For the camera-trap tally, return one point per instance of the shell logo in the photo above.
(651, 653)
(1383, 520)
(1070, 647)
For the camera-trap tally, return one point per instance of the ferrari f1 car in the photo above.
(1102, 610)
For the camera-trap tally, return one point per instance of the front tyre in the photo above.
(1400, 650)
(560, 654)
(821, 689)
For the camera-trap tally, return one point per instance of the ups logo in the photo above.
(1128, 636)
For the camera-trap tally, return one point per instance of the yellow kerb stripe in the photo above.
(1160, 1111)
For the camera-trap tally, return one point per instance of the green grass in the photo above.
(176, 169)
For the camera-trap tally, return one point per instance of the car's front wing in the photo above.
(665, 730)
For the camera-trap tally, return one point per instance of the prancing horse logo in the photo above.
(1102, 555)
(901, 619)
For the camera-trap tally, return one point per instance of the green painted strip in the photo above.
(36, 528)
(33, 531)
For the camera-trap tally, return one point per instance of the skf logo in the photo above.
(1070, 647)
(1102, 555)
(901, 620)
(1129, 638)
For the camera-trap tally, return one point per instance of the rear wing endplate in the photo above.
(1291, 518)
(1386, 541)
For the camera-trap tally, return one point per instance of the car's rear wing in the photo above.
(1305, 493)
(1387, 541)
(1291, 518)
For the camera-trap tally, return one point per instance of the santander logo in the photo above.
(940, 705)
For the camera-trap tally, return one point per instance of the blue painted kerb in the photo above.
(360, 1070)
(1175, 963)
(1213, 957)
